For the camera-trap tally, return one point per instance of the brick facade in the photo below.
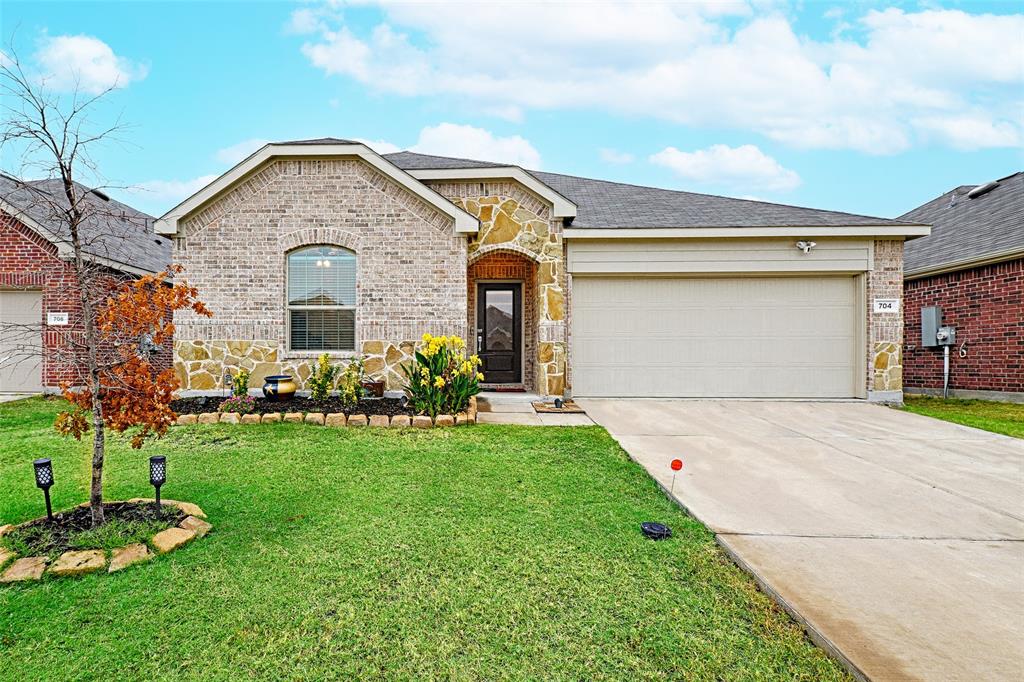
(30, 262)
(885, 330)
(986, 305)
(411, 269)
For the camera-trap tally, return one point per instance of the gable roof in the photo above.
(968, 231)
(320, 147)
(605, 205)
(114, 234)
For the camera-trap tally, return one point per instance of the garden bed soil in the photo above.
(55, 537)
(368, 406)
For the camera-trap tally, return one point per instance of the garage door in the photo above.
(758, 337)
(19, 373)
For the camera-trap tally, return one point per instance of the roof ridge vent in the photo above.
(982, 189)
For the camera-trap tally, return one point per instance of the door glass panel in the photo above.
(498, 322)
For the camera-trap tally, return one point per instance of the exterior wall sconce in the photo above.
(44, 479)
(806, 246)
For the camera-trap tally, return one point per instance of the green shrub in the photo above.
(350, 386)
(321, 381)
(441, 379)
(240, 384)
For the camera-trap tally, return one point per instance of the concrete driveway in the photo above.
(898, 540)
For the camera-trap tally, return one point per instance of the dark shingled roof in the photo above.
(968, 230)
(115, 232)
(321, 140)
(603, 204)
(413, 161)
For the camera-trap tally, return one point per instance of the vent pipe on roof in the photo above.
(982, 189)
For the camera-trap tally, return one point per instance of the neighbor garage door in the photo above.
(20, 364)
(738, 337)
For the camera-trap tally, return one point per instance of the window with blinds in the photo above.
(322, 299)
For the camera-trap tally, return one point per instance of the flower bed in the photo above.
(66, 545)
(317, 416)
(333, 404)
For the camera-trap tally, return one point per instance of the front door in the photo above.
(499, 332)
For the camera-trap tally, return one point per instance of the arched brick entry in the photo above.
(509, 266)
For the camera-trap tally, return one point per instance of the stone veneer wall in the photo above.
(513, 220)
(885, 330)
(411, 275)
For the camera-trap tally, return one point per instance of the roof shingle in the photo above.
(966, 230)
(115, 232)
(605, 205)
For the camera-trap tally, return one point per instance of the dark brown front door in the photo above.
(498, 332)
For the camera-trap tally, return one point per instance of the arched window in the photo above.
(322, 299)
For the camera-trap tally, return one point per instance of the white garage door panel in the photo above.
(764, 337)
(19, 345)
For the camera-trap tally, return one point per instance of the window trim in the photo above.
(288, 308)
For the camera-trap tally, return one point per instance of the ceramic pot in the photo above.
(279, 387)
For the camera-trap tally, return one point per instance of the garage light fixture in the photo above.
(806, 246)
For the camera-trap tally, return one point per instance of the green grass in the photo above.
(486, 552)
(1004, 418)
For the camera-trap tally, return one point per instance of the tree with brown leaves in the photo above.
(108, 351)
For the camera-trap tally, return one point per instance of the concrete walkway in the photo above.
(898, 540)
(517, 408)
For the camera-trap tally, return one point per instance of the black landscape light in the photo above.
(157, 475)
(44, 479)
(656, 531)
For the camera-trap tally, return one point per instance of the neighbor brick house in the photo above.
(972, 266)
(563, 285)
(39, 302)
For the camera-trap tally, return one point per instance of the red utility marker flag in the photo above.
(676, 465)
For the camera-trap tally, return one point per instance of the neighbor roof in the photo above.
(116, 234)
(969, 231)
(605, 205)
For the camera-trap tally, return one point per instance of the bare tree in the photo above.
(98, 239)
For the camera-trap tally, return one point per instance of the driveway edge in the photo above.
(816, 636)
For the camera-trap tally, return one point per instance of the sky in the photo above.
(866, 107)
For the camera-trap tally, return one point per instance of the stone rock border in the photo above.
(79, 562)
(335, 419)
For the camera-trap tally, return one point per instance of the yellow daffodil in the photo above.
(479, 376)
(439, 382)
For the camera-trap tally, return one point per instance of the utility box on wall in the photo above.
(931, 321)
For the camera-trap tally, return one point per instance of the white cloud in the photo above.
(170, 191)
(971, 132)
(905, 74)
(85, 62)
(467, 142)
(745, 167)
(379, 146)
(235, 153)
(615, 156)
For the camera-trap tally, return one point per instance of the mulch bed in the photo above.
(53, 537)
(368, 406)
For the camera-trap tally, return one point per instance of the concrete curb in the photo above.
(815, 635)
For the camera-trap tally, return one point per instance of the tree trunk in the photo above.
(92, 359)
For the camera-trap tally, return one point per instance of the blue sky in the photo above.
(858, 106)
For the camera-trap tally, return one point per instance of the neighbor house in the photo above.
(39, 300)
(972, 267)
(563, 285)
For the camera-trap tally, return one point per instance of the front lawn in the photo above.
(483, 552)
(1004, 418)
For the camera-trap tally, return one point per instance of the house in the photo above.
(38, 289)
(563, 285)
(972, 267)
